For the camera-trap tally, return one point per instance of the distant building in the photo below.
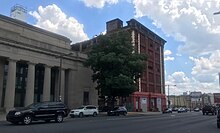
(196, 99)
(151, 87)
(211, 96)
(216, 98)
(206, 99)
(184, 93)
(19, 12)
(180, 101)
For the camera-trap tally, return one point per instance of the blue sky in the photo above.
(192, 32)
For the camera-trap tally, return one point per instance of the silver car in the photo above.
(88, 110)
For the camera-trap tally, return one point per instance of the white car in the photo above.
(181, 110)
(84, 111)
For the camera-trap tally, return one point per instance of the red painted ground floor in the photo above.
(138, 101)
(145, 101)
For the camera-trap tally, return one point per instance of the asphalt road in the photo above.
(191, 122)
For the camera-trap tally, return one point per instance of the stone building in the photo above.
(30, 62)
(151, 89)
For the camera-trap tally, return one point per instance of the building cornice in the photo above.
(33, 28)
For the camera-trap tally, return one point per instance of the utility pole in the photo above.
(169, 94)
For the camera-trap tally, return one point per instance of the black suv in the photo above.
(209, 109)
(38, 111)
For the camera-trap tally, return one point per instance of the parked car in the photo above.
(167, 110)
(118, 110)
(46, 111)
(187, 109)
(209, 109)
(218, 118)
(88, 110)
(175, 109)
(196, 109)
(181, 110)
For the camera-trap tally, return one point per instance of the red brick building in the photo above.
(151, 91)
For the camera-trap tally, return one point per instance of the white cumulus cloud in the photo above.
(178, 77)
(189, 21)
(167, 52)
(98, 3)
(167, 57)
(206, 69)
(186, 84)
(53, 19)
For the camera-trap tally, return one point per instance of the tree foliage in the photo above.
(116, 67)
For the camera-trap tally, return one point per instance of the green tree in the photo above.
(116, 67)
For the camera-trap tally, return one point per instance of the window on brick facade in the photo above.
(158, 68)
(158, 89)
(151, 65)
(157, 57)
(151, 77)
(151, 53)
(151, 88)
(158, 79)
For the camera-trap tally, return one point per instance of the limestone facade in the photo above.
(30, 62)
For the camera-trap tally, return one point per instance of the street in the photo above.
(191, 122)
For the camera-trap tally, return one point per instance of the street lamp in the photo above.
(60, 68)
(169, 94)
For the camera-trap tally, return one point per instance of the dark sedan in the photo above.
(119, 110)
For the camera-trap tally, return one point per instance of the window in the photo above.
(151, 65)
(86, 98)
(151, 77)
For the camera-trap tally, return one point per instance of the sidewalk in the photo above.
(2, 116)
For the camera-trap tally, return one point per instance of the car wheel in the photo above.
(72, 116)
(27, 119)
(81, 115)
(124, 113)
(218, 125)
(95, 114)
(59, 118)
